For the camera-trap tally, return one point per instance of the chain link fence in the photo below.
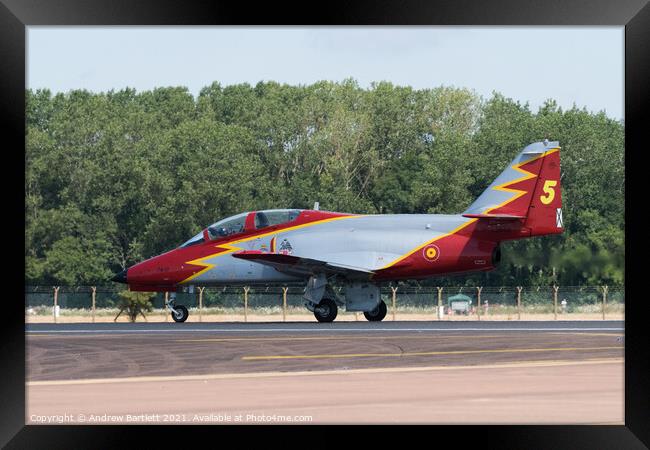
(101, 303)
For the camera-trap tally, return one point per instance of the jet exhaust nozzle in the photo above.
(496, 256)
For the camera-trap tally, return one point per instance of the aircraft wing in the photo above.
(302, 266)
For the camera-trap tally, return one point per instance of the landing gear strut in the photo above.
(326, 310)
(179, 312)
(377, 314)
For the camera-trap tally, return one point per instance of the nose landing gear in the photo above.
(179, 312)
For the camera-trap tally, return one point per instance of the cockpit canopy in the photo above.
(244, 222)
(226, 227)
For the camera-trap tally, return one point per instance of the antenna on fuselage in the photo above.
(316, 206)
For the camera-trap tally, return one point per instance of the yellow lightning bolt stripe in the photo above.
(502, 187)
(231, 248)
(207, 266)
(526, 176)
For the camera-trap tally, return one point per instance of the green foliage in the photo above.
(134, 304)
(116, 177)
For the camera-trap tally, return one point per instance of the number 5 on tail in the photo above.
(549, 192)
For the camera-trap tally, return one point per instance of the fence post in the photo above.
(284, 303)
(201, 303)
(555, 289)
(246, 289)
(605, 289)
(518, 302)
(94, 288)
(478, 308)
(394, 289)
(56, 301)
(438, 315)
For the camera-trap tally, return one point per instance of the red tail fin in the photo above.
(526, 197)
(545, 210)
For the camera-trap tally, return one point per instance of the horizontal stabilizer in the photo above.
(494, 216)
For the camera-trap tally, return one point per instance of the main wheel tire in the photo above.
(377, 314)
(326, 310)
(183, 313)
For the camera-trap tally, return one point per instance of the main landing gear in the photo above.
(179, 312)
(377, 314)
(326, 310)
(321, 299)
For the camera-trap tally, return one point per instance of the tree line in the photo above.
(115, 177)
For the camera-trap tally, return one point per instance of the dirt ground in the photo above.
(582, 392)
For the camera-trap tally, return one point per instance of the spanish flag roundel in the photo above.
(431, 252)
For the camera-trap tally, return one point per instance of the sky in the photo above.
(572, 65)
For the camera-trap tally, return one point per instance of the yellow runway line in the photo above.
(229, 376)
(453, 352)
(592, 334)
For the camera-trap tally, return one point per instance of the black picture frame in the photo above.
(15, 15)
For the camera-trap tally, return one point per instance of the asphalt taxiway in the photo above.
(347, 372)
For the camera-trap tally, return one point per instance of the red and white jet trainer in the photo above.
(318, 248)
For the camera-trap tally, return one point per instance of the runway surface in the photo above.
(314, 327)
(354, 372)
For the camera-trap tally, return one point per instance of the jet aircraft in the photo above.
(361, 251)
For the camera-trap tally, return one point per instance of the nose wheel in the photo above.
(326, 310)
(180, 313)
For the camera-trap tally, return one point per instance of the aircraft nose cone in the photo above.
(120, 277)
